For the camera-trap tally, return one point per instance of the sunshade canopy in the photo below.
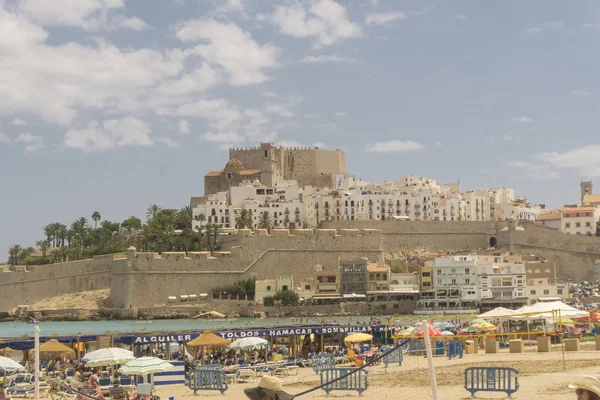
(358, 338)
(145, 366)
(208, 339)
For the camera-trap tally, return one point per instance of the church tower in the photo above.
(586, 188)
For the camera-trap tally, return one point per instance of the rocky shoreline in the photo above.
(207, 311)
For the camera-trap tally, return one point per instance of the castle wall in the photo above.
(432, 235)
(35, 283)
(149, 280)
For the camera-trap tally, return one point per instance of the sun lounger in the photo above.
(245, 375)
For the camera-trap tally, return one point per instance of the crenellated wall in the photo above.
(147, 280)
(28, 285)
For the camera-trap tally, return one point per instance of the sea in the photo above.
(16, 329)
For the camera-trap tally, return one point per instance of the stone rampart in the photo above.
(39, 282)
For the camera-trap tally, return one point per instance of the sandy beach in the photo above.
(542, 376)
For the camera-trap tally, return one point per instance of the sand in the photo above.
(542, 376)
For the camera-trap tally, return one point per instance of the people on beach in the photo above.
(269, 388)
(586, 388)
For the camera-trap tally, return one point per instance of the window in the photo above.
(426, 274)
(546, 291)
(266, 153)
(284, 288)
(426, 284)
(577, 224)
(567, 225)
(439, 272)
(466, 271)
(559, 291)
(467, 281)
(229, 175)
(532, 291)
(588, 224)
(268, 288)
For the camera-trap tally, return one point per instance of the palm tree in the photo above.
(207, 232)
(152, 210)
(216, 230)
(14, 252)
(265, 221)
(26, 252)
(96, 217)
(44, 245)
(244, 220)
(184, 218)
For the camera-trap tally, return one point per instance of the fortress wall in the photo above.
(433, 235)
(42, 281)
(155, 280)
(574, 255)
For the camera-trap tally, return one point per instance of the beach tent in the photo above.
(208, 339)
(545, 310)
(54, 347)
(498, 312)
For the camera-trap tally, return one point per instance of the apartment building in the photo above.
(579, 220)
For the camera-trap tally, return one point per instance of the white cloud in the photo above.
(507, 138)
(87, 14)
(324, 20)
(579, 93)
(4, 138)
(546, 26)
(231, 6)
(320, 145)
(196, 81)
(340, 114)
(528, 170)
(19, 122)
(167, 141)
(585, 159)
(521, 119)
(56, 81)
(184, 127)
(393, 146)
(33, 143)
(289, 143)
(326, 58)
(384, 18)
(113, 133)
(230, 48)
(228, 137)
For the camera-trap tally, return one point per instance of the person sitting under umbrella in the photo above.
(269, 388)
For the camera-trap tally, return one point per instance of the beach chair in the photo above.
(69, 373)
(245, 375)
(228, 362)
(105, 383)
(144, 390)
(241, 361)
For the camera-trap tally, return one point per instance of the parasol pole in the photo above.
(36, 334)
(430, 360)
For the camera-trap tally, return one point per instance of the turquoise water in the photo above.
(16, 329)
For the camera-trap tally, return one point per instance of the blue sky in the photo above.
(112, 105)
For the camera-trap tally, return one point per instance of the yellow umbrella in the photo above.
(208, 339)
(485, 327)
(55, 347)
(358, 338)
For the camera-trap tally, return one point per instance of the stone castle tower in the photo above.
(586, 188)
(272, 164)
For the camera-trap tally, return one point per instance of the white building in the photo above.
(404, 282)
(269, 287)
(455, 284)
(579, 220)
(500, 279)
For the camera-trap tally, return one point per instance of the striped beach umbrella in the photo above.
(108, 357)
(145, 366)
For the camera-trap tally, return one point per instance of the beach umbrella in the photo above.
(358, 338)
(8, 365)
(54, 347)
(485, 326)
(107, 357)
(447, 333)
(432, 332)
(444, 325)
(565, 321)
(208, 339)
(470, 329)
(145, 366)
(248, 343)
(477, 321)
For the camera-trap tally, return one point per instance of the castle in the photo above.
(272, 164)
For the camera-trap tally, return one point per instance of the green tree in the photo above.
(287, 297)
(244, 220)
(265, 221)
(14, 252)
(26, 252)
(44, 245)
(96, 217)
(132, 224)
(216, 231)
(183, 218)
(152, 211)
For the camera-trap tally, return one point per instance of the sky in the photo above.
(113, 105)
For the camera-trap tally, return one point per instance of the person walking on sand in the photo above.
(586, 388)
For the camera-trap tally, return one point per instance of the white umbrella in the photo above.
(6, 364)
(248, 343)
(145, 366)
(108, 357)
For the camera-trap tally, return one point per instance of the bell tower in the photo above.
(586, 188)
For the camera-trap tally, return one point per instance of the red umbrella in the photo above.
(432, 332)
